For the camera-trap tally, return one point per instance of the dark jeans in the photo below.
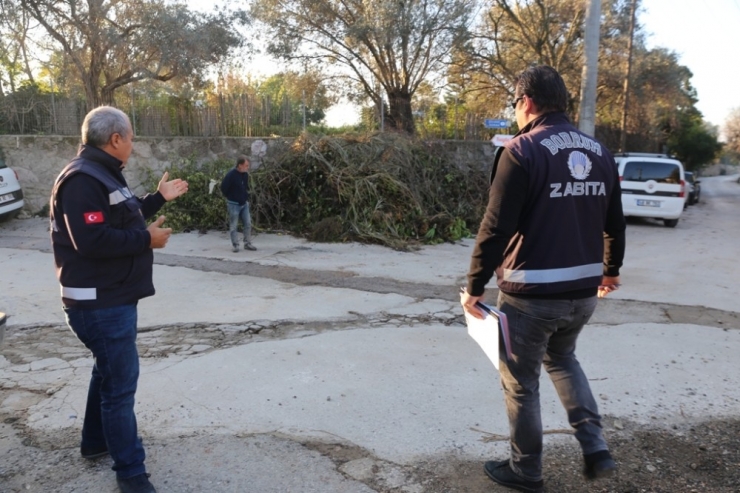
(239, 212)
(110, 333)
(545, 331)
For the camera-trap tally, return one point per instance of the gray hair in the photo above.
(101, 123)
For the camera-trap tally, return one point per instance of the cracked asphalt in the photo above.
(307, 367)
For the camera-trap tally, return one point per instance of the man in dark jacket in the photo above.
(103, 256)
(554, 233)
(235, 187)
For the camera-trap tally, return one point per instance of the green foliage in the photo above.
(691, 141)
(290, 91)
(112, 43)
(198, 209)
(383, 188)
(387, 44)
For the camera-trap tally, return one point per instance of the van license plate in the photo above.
(649, 203)
(6, 198)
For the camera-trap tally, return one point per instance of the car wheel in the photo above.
(670, 223)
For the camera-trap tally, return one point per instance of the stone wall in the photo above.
(39, 159)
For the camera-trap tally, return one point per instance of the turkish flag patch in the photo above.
(93, 217)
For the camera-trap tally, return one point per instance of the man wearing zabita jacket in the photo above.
(554, 234)
(103, 252)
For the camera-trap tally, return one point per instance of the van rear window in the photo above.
(644, 171)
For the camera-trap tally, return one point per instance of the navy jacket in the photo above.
(554, 223)
(98, 232)
(235, 186)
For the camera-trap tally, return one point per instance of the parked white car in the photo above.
(11, 194)
(653, 185)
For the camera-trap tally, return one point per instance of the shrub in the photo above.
(382, 188)
(198, 209)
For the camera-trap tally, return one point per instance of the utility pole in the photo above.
(626, 89)
(587, 114)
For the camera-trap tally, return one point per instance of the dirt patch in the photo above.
(704, 458)
(699, 458)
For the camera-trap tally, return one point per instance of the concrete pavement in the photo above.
(254, 362)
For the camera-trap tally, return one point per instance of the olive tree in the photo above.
(386, 47)
(515, 34)
(15, 56)
(112, 43)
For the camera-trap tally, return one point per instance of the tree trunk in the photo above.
(90, 97)
(399, 115)
(106, 96)
(93, 91)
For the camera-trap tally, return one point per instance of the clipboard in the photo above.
(503, 325)
(486, 332)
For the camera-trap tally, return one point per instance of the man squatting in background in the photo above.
(235, 187)
(104, 258)
(554, 233)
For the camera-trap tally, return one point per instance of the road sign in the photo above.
(501, 139)
(491, 123)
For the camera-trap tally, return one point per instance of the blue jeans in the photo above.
(110, 333)
(237, 212)
(545, 331)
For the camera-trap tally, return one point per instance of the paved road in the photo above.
(322, 367)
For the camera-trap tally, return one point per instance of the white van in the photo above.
(11, 194)
(653, 185)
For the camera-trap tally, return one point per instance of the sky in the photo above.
(704, 33)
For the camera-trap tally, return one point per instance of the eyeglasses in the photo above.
(513, 105)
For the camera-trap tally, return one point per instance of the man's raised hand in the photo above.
(172, 189)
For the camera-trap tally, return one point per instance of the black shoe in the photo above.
(500, 472)
(136, 484)
(93, 453)
(599, 465)
(249, 246)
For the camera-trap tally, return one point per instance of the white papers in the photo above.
(486, 332)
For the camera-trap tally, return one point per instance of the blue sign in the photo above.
(489, 123)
